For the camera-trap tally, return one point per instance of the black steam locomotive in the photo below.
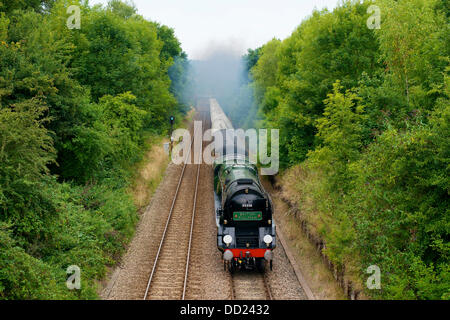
(246, 232)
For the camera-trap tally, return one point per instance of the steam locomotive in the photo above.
(246, 233)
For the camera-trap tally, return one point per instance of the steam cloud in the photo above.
(221, 73)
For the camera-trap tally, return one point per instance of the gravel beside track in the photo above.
(283, 281)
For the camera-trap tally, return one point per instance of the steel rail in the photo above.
(192, 227)
(266, 285)
(233, 292)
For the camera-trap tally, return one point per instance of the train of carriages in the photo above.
(246, 232)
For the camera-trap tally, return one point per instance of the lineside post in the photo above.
(172, 120)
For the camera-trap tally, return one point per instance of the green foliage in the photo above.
(90, 228)
(412, 46)
(264, 75)
(328, 46)
(25, 151)
(366, 113)
(171, 46)
(39, 5)
(116, 54)
(400, 200)
(21, 275)
(121, 112)
(340, 131)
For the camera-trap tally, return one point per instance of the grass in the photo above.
(149, 173)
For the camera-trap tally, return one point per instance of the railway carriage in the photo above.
(246, 233)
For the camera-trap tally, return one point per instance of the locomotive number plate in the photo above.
(247, 216)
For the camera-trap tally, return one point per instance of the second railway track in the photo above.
(170, 271)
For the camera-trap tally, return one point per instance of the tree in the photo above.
(8, 6)
(340, 130)
(326, 47)
(412, 46)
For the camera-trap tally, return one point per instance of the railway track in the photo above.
(180, 269)
(170, 271)
(250, 286)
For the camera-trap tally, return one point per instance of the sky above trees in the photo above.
(204, 24)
